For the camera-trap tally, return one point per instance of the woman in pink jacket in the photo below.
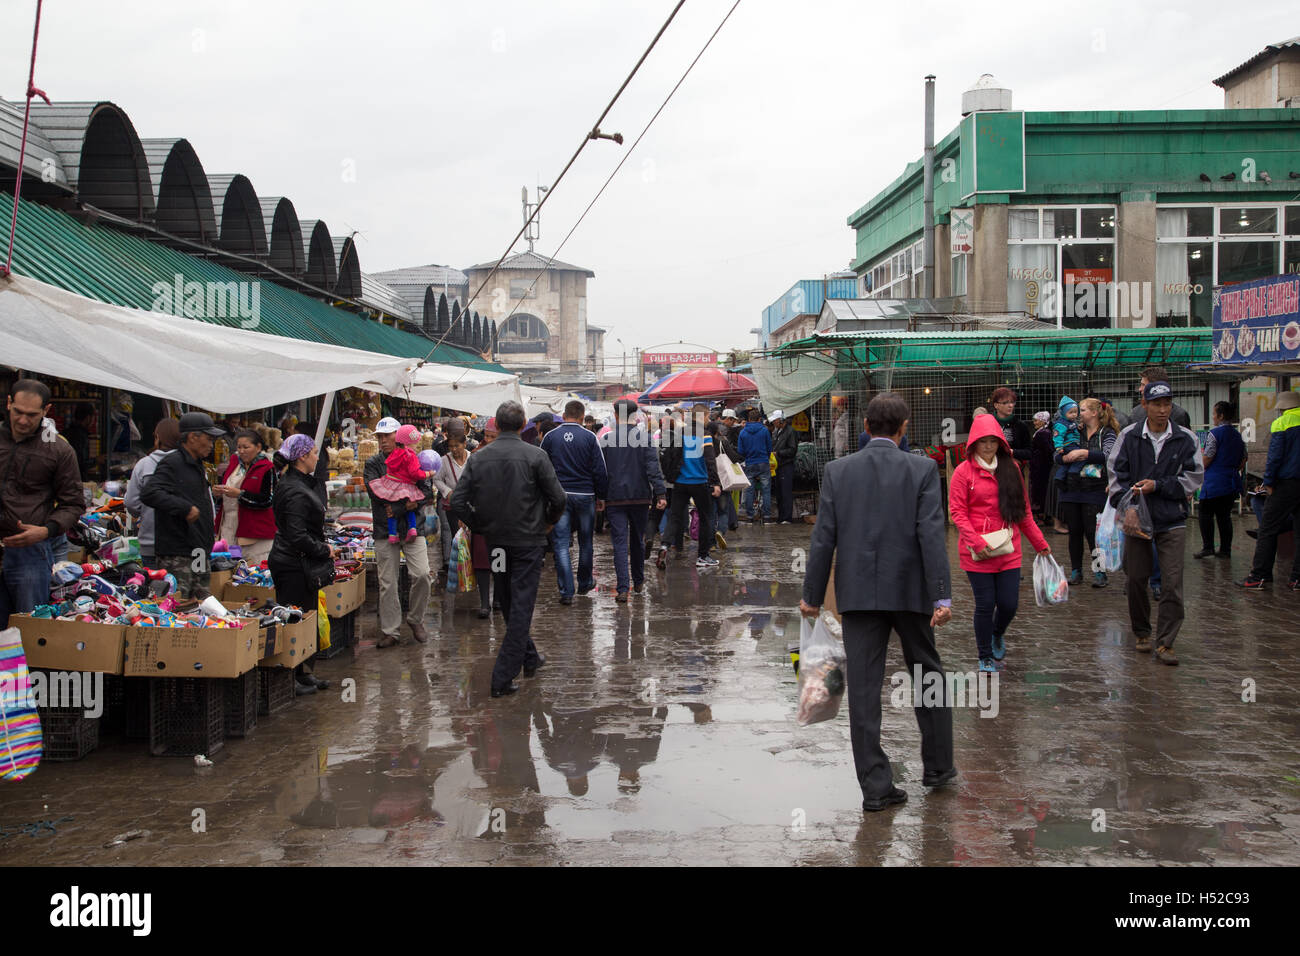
(987, 495)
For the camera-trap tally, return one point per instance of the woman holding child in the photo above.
(1082, 479)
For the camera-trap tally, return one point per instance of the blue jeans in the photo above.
(25, 580)
(579, 515)
(627, 533)
(760, 481)
(1155, 566)
(997, 598)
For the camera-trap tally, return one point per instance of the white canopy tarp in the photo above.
(50, 331)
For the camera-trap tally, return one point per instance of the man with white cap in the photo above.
(388, 557)
(785, 445)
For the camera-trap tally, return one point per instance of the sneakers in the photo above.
(720, 540)
(999, 647)
(1076, 576)
(1253, 583)
(988, 665)
(1165, 655)
(1144, 643)
(706, 562)
(1099, 579)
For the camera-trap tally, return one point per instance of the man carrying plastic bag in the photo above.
(891, 575)
(1154, 468)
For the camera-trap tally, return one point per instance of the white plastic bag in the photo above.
(1050, 584)
(1108, 554)
(821, 672)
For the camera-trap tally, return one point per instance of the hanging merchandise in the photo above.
(21, 742)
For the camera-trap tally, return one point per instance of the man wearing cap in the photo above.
(388, 557)
(1282, 487)
(1162, 462)
(785, 445)
(40, 497)
(183, 508)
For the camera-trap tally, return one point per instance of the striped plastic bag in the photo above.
(464, 562)
(20, 726)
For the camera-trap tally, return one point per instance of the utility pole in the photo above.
(927, 187)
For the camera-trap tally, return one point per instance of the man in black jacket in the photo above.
(1162, 461)
(509, 493)
(881, 519)
(634, 480)
(785, 445)
(178, 492)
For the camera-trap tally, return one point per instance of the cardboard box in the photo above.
(345, 597)
(294, 643)
(243, 593)
(190, 651)
(71, 645)
(218, 581)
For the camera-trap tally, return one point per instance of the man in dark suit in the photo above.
(881, 512)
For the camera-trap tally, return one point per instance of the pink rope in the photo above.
(22, 150)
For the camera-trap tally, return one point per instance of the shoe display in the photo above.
(895, 797)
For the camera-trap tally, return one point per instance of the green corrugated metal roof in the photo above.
(108, 265)
(1017, 348)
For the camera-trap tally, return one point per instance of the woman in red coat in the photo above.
(244, 515)
(987, 495)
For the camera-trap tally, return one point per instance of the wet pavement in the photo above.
(662, 732)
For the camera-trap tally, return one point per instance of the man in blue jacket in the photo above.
(755, 447)
(634, 481)
(580, 466)
(1162, 462)
(1282, 486)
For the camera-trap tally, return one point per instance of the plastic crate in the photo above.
(241, 703)
(186, 716)
(67, 734)
(343, 634)
(126, 710)
(275, 689)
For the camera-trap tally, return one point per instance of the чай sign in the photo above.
(1258, 321)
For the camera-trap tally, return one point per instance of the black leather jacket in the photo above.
(180, 483)
(299, 522)
(508, 493)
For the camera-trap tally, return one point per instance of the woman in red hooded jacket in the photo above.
(987, 495)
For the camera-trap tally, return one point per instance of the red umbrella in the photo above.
(702, 383)
(633, 397)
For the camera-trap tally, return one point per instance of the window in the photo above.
(1061, 264)
(959, 274)
(522, 289)
(1199, 247)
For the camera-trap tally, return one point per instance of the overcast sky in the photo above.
(797, 114)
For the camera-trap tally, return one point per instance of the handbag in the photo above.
(319, 572)
(998, 542)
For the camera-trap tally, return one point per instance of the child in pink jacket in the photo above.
(399, 484)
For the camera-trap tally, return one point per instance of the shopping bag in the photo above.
(695, 525)
(1050, 584)
(21, 743)
(821, 672)
(771, 463)
(322, 622)
(731, 475)
(1108, 555)
(1135, 516)
(452, 561)
(464, 562)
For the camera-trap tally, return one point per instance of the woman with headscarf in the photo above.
(301, 562)
(1040, 463)
(244, 514)
(166, 436)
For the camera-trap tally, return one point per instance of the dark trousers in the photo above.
(997, 598)
(784, 486)
(1081, 519)
(726, 511)
(1139, 560)
(1281, 511)
(291, 588)
(517, 588)
(627, 536)
(866, 638)
(1217, 511)
(683, 495)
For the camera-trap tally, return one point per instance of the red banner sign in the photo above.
(679, 358)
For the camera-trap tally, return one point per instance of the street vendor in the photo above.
(244, 514)
(40, 497)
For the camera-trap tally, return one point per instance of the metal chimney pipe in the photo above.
(927, 188)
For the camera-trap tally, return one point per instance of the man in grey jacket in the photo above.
(166, 436)
(881, 516)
